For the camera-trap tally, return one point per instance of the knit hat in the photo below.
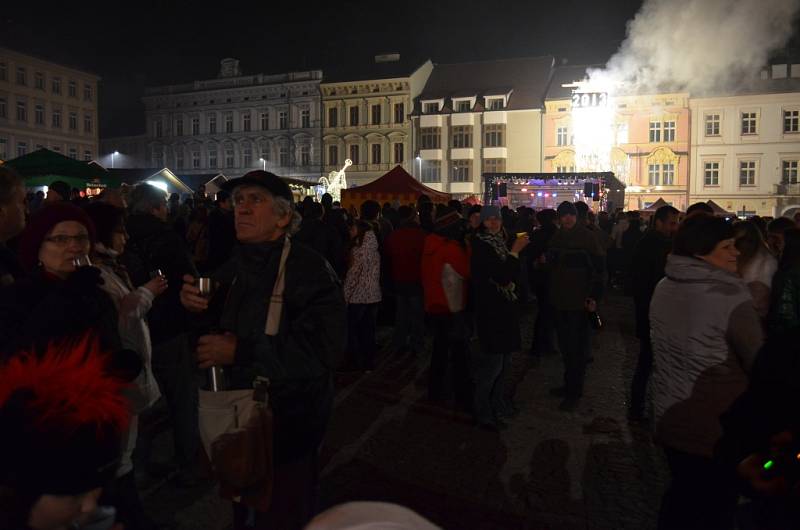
(490, 211)
(62, 417)
(448, 217)
(42, 222)
(62, 188)
(269, 181)
(566, 208)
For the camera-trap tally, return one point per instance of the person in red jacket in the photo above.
(403, 252)
(445, 272)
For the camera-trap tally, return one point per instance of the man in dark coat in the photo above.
(544, 330)
(322, 237)
(154, 245)
(221, 231)
(12, 222)
(298, 359)
(647, 268)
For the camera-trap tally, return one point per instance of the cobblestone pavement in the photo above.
(548, 470)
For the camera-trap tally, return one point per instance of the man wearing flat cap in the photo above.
(293, 343)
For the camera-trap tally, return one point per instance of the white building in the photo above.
(745, 148)
(480, 117)
(46, 105)
(236, 123)
(366, 116)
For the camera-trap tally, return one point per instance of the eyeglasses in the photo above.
(63, 240)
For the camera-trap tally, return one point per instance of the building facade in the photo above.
(236, 123)
(746, 146)
(366, 118)
(476, 118)
(46, 105)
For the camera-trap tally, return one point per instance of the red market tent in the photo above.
(396, 185)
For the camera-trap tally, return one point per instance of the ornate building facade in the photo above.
(46, 105)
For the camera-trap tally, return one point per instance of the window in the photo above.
(653, 175)
(791, 121)
(246, 123)
(55, 85)
(247, 156)
(229, 158)
(495, 135)
(22, 76)
(565, 169)
(749, 123)
(431, 108)
(212, 157)
(229, 123)
(495, 104)
(353, 116)
(3, 108)
(621, 132)
(711, 174)
(38, 80)
(747, 173)
(72, 89)
(399, 153)
(158, 126)
(22, 148)
(561, 136)
(376, 153)
(462, 136)
(195, 159)
(494, 165)
(399, 113)
(333, 117)
(669, 131)
(790, 171)
(655, 131)
(3, 74)
(305, 119)
(87, 156)
(354, 154)
(284, 157)
(668, 174)
(430, 137)
(38, 114)
(431, 171)
(333, 155)
(179, 127)
(212, 124)
(283, 120)
(3, 147)
(73, 153)
(463, 106)
(462, 171)
(305, 155)
(87, 92)
(22, 111)
(158, 157)
(195, 126)
(179, 157)
(712, 124)
(56, 119)
(265, 121)
(376, 114)
(87, 123)
(265, 153)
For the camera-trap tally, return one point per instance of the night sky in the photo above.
(133, 45)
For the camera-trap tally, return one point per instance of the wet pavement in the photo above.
(549, 470)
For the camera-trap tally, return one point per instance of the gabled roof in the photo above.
(564, 75)
(133, 176)
(526, 78)
(398, 181)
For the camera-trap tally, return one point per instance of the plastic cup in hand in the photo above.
(81, 261)
(206, 287)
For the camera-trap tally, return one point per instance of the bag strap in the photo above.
(276, 300)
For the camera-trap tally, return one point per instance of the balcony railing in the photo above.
(787, 188)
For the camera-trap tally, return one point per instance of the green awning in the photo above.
(42, 167)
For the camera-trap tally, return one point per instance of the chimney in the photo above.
(388, 58)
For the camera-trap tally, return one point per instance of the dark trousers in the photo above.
(545, 328)
(361, 321)
(450, 347)
(293, 498)
(409, 326)
(574, 340)
(701, 494)
(124, 497)
(644, 367)
(489, 371)
(174, 367)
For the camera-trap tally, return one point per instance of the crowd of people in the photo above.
(296, 294)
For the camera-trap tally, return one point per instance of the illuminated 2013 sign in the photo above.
(584, 100)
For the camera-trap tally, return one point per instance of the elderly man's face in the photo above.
(256, 218)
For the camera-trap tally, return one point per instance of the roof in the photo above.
(397, 182)
(564, 75)
(527, 77)
(366, 68)
(757, 86)
(137, 175)
(44, 166)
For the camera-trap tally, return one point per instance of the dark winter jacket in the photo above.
(325, 239)
(154, 245)
(10, 268)
(784, 311)
(496, 316)
(647, 269)
(221, 238)
(299, 361)
(575, 262)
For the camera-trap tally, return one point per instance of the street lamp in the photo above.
(419, 171)
(115, 153)
(263, 163)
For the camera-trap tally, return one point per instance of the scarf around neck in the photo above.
(497, 242)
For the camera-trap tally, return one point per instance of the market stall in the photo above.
(396, 185)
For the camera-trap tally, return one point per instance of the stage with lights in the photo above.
(602, 191)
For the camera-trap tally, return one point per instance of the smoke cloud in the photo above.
(699, 46)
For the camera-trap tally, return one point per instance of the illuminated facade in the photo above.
(46, 105)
